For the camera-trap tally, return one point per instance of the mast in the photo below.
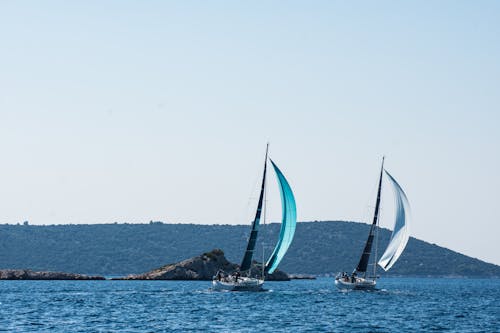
(377, 230)
(247, 258)
(264, 212)
(363, 261)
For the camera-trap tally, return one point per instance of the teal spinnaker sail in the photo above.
(288, 223)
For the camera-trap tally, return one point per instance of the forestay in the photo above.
(247, 258)
(400, 234)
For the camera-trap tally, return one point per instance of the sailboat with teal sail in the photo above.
(243, 280)
(359, 278)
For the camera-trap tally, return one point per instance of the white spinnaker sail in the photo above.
(401, 233)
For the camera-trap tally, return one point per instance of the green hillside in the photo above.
(113, 249)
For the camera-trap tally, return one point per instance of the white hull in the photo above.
(243, 284)
(358, 283)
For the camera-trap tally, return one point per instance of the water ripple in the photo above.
(400, 305)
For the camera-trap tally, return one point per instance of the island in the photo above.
(202, 267)
(319, 248)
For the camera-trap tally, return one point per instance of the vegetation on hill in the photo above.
(117, 249)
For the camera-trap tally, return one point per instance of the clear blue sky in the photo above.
(136, 110)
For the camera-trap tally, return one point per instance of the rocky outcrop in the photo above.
(202, 267)
(26, 274)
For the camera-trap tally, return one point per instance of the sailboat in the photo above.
(243, 280)
(399, 238)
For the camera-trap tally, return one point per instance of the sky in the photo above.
(131, 111)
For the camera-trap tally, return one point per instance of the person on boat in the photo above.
(353, 277)
(236, 276)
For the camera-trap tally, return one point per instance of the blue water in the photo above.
(402, 305)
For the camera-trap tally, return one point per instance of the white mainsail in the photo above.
(401, 233)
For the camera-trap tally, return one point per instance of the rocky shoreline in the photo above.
(202, 267)
(26, 274)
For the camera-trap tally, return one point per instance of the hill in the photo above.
(117, 249)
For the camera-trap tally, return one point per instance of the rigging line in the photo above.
(264, 218)
(377, 230)
(365, 257)
(245, 214)
(252, 197)
(376, 252)
(369, 207)
(377, 226)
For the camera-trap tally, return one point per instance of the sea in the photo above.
(399, 305)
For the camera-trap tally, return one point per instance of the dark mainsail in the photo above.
(363, 261)
(247, 258)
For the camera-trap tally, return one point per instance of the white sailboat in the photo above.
(358, 279)
(243, 280)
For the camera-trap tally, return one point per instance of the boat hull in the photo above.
(357, 284)
(243, 284)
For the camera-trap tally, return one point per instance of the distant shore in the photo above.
(27, 274)
(319, 248)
